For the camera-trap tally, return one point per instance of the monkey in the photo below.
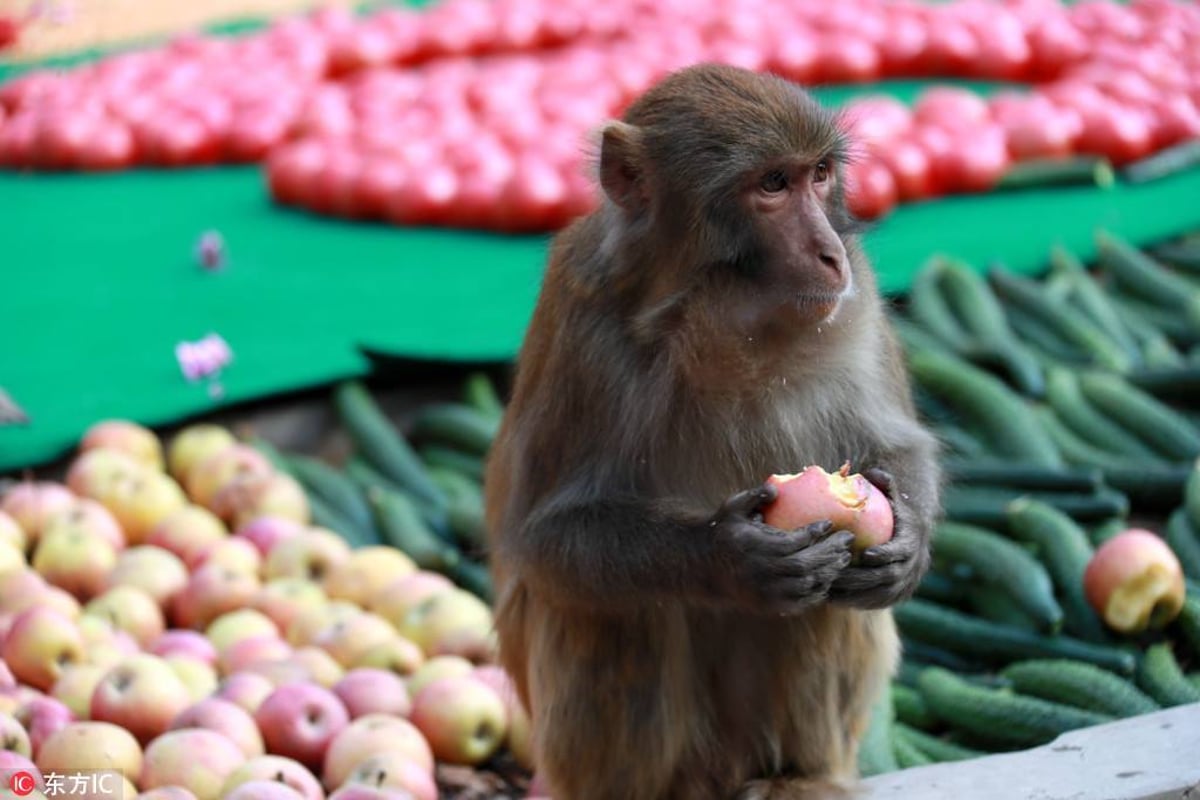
(714, 320)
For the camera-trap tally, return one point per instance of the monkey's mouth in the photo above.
(818, 307)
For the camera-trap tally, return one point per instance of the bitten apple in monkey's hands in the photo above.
(849, 501)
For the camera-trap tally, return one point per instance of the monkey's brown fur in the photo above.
(667, 642)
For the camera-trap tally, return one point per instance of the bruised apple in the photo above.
(850, 501)
(1134, 582)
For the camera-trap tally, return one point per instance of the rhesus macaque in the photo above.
(713, 322)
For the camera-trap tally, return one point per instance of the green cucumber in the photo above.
(988, 506)
(1158, 425)
(1050, 348)
(908, 755)
(329, 517)
(936, 748)
(480, 393)
(1069, 323)
(1080, 170)
(1181, 383)
(1161, 677)
(402, 526)
(1191, 495)
(915, 336)
(1167, 322)
(1075, 683)
(1188, 623)
(440, 456)
(334, 487)
(1171, 160)
(271, 452)
(1092, 302)
(1148, 486)
(1000, 714)
(1184, 540)
(955, 631)
(910, 708)
(1074, 449)
(1183, 253)
(1140, 274)
(455, 425)
(941, 588)
(1004, 418)
(939, 656)
(875, 754)
(1101, 533)
(382, 446)
(473, 577)
(1065, 395)
(929, 306)
(1003, 565)
(1063, 547)
(1020, 476)
(996, 605)
(367, 477)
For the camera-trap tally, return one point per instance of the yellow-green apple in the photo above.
(348, 638)
(211, 591)
(224, 717)
(1134, 582)
(74, 560)
(20, 589)
(247, 498)
(197, 759)
(40, 642)
(41, 717)
(96, 473)
(299, 720)
(104, 643)
(395, 771)
(90, 516)
(90, 745)
(58, 599)
(397, 655)
(167, 793)
(142, 502)
(360, 791)
(463, 719)
(129, 609)
(246, 689)
(283, 598)
(519, 739)
(234, 626)
(437, 668)
(188, 532)
(11, 559)
(850, 501)
(13, 736)
(450, 623)
(263, 790)
(209, 476)
(157, 572)
(309, 622)
(231, 553)
(192, 445)
(370, 735)
(12, 533)
(373, 691)
(281, 671)
(322, 668)
(141, 694)
(265, 532)
(310, 555)
(394, 601)
(365, 572)
(32, 503)
(184, 642)
(138, 442)
(281, 769)
(244, 654)
(75, 686)
(199, 677)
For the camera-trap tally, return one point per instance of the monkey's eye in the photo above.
(821, 172)
(774, 182)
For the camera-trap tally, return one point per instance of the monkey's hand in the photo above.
(768, 570)
(888, 573)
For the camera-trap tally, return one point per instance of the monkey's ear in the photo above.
(621, 166)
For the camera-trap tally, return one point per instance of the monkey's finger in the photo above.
(891, 552)
(833, 552)
(874, 588)
(745, 503)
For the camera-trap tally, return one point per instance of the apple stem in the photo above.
(845, 470)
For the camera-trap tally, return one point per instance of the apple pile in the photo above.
(173, 613)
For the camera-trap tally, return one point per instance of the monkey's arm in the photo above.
(619, 552)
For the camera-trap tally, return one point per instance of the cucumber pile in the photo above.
(421, 493)
(1069, 410)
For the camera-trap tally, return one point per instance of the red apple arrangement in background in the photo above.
(219, 644)
(849, 501)
(472, 113)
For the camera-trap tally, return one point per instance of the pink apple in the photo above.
(299, 720)
(192, 445)
(131, 610)
(197, 759)
(369, 735)
(141, 694)
(282, 671)
(75, 686)
(436, 668)
(245, 499)
(283, 599)
(188, 532)
(167, 793)
(59, 600)
(373, 691)
(394, 601)
(13, 736)
(323, 670)
(310, 555)
(394, 771)
(520, 729)
(41, 718)
(227, 464)
(280, 769)
(89, 745)
(7, 679)
(184, 642)
(104, 643)
(157, 572)
(309, 622)
(246, 689)
(32, 503)
(12, 763)
(365, 572)
(224, 717)
(94, 474)
(142, 502)
(263, 790)
(265, 532)
(19, 590)
(237, 625)
(199, 677)
(11, 559)
(91, 517)
(231, 553)
(348, 638)
(74, 560)
(124, 436)
(211, 591)
(244, 654)
(1134, 582)
(359, 791)
(463, 719)
(451, 623)
(40, 642)
(849, 501)
(12, 534)
(397, 655)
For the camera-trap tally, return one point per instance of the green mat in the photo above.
(98, 284)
